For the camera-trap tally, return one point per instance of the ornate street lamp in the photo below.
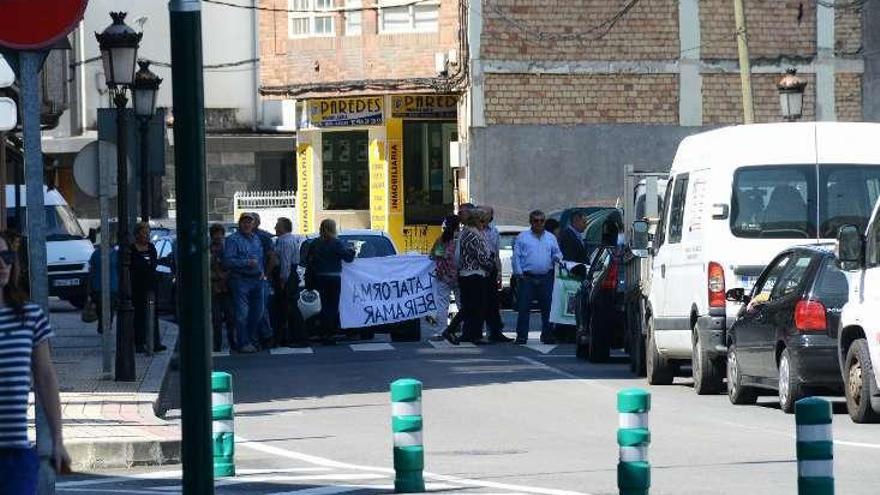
(145, 89)
(791, 95)
(119, 45)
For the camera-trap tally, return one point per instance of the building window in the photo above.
(419, 18)
(311, 18)
(353, 17)
(346, 183)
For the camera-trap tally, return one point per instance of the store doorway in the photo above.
(345, 177)
(428, 178)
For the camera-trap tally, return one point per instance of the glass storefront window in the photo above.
(346, 170)
(428, 179)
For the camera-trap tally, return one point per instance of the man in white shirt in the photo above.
(289, 329)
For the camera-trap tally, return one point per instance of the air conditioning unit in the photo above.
(279, 114)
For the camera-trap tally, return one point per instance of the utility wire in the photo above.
(405, 3)
(594, 33)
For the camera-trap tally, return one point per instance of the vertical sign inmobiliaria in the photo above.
(304, 173)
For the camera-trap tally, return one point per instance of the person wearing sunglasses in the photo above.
(24, 352)
(535, 253)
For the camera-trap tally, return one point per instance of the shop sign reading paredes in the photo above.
(424, 106)
(340, 112)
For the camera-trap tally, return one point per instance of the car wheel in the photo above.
(789, 390)
(78, 301)
(408, 331)
(708, 372)
(736, 391)
(598, 351)
(657, 369)
(860, 383)
(637, 356)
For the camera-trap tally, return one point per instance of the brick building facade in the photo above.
(612, 72)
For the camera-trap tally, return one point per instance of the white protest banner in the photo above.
(389, 289)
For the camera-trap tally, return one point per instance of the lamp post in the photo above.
(791, 95)
(144, 91)
(119, 45)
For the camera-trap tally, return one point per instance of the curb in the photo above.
(149, 450)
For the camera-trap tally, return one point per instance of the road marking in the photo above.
(565, 374)
(442, 344)
(322, 490)
(324, 462)
(281, 351)
(857, 444)
(542, 348)
(114, 490)
(371, 347)
(117, 479)
(316, 477)
(220, 354)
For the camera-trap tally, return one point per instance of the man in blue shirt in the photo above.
(270, 264)
(535, 252)
(243, 257)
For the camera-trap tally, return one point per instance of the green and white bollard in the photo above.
(223, 420)
(815, 446)
(633, 438)
(406, 424)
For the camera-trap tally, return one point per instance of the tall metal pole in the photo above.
(192, 223)
(107, 332)
(125, 371)
(745, 67)
(150, 326)
(30, 63)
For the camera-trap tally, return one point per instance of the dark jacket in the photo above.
(572, 247)
(326, 256)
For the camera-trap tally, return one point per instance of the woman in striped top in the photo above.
(24, 349)
(475, 261)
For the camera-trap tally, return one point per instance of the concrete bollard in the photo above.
(633, 438)
(406, 425)
(222, 426)
(815, 446)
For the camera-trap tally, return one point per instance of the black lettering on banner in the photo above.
(419, 303)
(369, 319)
(405, 288)
(356, 297)
(410, 308)
(396, 285)
(432, 305)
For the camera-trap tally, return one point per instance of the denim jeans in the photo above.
(18, 470)
(528, 289)
(249, 301)
(265, 327)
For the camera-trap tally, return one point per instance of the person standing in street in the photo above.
(326, 254)
(25, 359)
(222, 315)
(571, 239)
(534, 254)
(454, 327)
(494, 325)
(243, 257)
(443, 254)
(270, 267)
(474, 265)
(143, 286)
(289, 329)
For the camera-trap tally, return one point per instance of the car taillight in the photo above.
(717, 297)
(809, 316)
(610, 281)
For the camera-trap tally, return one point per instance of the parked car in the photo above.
(859, 336)
(564, 216)
(67, 248)
(785, 337)
(371, 244)
(508, 235)
(599, 309)
(739, 195)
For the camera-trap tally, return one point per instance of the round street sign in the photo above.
(86, 167)
(35, 24)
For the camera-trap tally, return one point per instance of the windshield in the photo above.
(780, 202)
(507, 239)
(369, 246)
(61, 223)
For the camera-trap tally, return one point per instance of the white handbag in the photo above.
(309, 303)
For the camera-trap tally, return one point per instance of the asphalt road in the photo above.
(498, 419)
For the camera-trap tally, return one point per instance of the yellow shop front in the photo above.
(380, 162)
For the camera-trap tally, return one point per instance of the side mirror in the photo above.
(640, 235)
(737, 295)
(850, 247)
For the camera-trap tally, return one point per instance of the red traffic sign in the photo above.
(35, 24)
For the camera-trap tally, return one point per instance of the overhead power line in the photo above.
(594, 33)
(402, 3)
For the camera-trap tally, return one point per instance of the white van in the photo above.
(67, 248)
(737, 196)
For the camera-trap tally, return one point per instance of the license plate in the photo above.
(66, 282)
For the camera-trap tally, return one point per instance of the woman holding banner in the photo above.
(475, 261)
(326, 255)
(443, 254)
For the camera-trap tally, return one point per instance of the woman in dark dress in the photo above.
(143, 286)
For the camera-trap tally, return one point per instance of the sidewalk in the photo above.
(110, 424)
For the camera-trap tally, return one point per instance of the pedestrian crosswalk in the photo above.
(382, 344)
